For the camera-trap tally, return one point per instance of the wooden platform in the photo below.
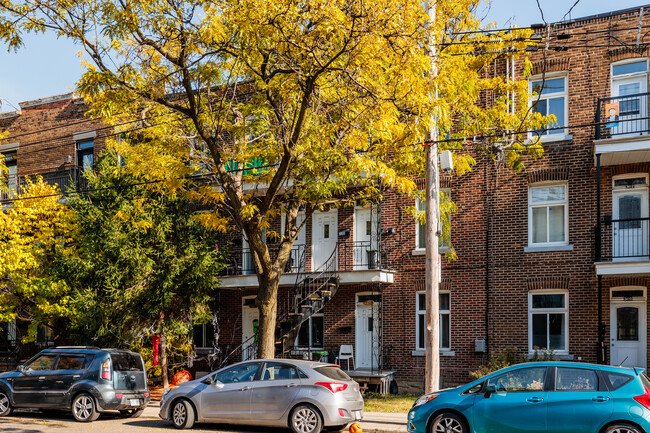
(381, 378)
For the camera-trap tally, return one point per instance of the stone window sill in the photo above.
(442, 353)
(549, 248)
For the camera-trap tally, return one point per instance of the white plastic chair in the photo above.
(346, 352)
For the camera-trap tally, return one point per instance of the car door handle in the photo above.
(246, 388)
(600, 398)
(76, 376)
(535, 400)
(41, 378)
(291, 385)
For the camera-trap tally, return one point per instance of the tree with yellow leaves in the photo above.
(284, 104)
(34, 230)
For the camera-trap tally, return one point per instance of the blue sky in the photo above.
(48, 66)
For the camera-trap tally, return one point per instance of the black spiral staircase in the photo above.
(310, 294)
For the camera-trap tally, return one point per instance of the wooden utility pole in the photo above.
(432, 209)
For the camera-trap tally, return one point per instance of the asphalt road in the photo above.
(36, 422)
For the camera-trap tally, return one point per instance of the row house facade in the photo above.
(553, 259)
(51, 138)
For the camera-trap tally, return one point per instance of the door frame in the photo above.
(359, 261)
(641, 303)
(645, 208)
(246, 310)
(333, 235)
(641, 77)
(376, 345)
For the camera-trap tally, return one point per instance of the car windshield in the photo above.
(126, 362)
(333, 372)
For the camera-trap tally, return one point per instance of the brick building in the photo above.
(556, 257)
(48, 137)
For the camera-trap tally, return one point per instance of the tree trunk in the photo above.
(164, 377)
(267, 304)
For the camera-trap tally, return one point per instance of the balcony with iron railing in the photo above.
(66, 180)
(622, 129)
(623, 246)
(356, 261)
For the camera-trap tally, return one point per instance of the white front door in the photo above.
(368, 325)
(629, 229)
(297, 260)
(365, 237)
(250, 317)
(324, 235)
(628, 334)
(632, 110)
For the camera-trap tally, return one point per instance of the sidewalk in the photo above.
(373, 422)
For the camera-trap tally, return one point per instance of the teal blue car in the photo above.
(540, 397)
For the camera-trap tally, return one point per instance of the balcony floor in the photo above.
(623, 267)
(288, 280)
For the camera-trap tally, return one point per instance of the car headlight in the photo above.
(424, 399)
(167, 390)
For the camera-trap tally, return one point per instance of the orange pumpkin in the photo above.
(356, 428)
(181, 376)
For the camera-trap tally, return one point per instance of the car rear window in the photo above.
(333, 373)
(617, 380)
(126, 362)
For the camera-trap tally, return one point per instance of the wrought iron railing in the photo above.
(358, 255)
(241, 260)
(622, 115)
(66, 180)
(623, 239)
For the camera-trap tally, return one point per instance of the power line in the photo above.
(149, 182)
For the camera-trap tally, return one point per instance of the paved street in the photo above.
(36, 422)
(32, 421)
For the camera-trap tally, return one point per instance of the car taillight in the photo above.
(118, 395)
(644, 399)
(333, 386)
(106, 370)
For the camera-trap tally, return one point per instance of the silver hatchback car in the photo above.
(304, 395)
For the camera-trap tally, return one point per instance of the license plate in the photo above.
(357, 415)
(134, 402)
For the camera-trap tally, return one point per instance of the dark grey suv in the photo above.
(86, 380)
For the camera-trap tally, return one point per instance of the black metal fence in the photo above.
(622, 115)
(241, 260)
(359, 255)
(66, 180)
(623, 239)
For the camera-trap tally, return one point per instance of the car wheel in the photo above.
(131, 413)
(306, 419)
(83, 408)
(5, 404)
(622, 428)
(448, 423)
(182, 414)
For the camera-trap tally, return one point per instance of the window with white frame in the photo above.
(548, 215)
(549, 95)
(11, 185)
(444, 241)
(445, 320)
(548, 322)
(311, 333)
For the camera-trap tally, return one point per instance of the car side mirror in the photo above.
(489, 390)
(21, 368)
(208, 380)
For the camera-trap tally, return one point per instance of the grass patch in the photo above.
(401, 403)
